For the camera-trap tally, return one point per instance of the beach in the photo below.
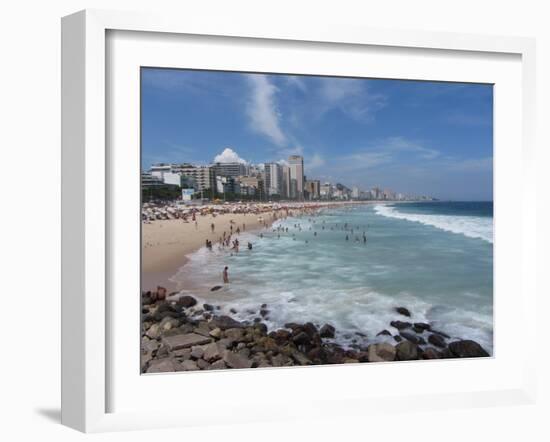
(166, 243)
(353, 269)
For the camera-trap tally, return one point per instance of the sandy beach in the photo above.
(165, 243)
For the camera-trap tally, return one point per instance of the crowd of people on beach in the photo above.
(267, 214)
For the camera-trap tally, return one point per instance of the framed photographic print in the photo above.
(281, 209)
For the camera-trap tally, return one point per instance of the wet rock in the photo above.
(412, 338)
(292, 325)
(310, 329)
(403, 311)
(384, 333)
(397, 338)
(467, 349)
(440, 333)
(406, 351)
(281, 336)
(399, 325)
(327, 331)
(233, 311)
(437, 340)
(184, 341)
(225, 322)
(261, 327)
(187, 301)
(215, 288)
(264, 312)
(419, 327)
(301, 338)
(208, 307)
(381, 352)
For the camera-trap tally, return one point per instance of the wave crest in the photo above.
(470, 226)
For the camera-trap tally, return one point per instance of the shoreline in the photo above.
(185, 335)
(166, 243)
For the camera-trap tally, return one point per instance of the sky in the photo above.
(414, 137)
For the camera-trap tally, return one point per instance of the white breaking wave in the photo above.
(470, 226)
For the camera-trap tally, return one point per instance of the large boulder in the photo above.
(399, 325)
(226, 322)
(187, 301)
(177, 342)
(301, 338)
(411, 337)
(235, 334)
(234, 360)
(381, 352)
(437, 340)
(403, 311)
(212, 352)
(406, 351)
(467, 349)
(327, 331)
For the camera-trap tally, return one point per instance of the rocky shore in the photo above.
(184, 335)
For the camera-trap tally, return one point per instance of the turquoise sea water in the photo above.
(436, 259)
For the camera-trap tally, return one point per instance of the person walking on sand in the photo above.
(225, 275)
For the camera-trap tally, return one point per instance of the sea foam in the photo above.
(470, 226)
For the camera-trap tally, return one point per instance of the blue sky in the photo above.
(411, 136)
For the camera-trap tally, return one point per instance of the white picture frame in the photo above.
(86, 211)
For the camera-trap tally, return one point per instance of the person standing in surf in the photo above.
(225, 275)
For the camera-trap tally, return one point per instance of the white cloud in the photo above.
(400, 144)
(350, 96)
(262, 110)
(297, 82)
(229, 156)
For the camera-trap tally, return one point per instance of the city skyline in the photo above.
(421, 138)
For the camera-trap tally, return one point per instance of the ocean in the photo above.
(434, 258)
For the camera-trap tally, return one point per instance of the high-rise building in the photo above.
(202, 177)
(313, 189)
(252, 182)
(296, 165)
(229, 169)
(285, 186)
(273, 179)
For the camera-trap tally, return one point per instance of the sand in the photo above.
(166, 243)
